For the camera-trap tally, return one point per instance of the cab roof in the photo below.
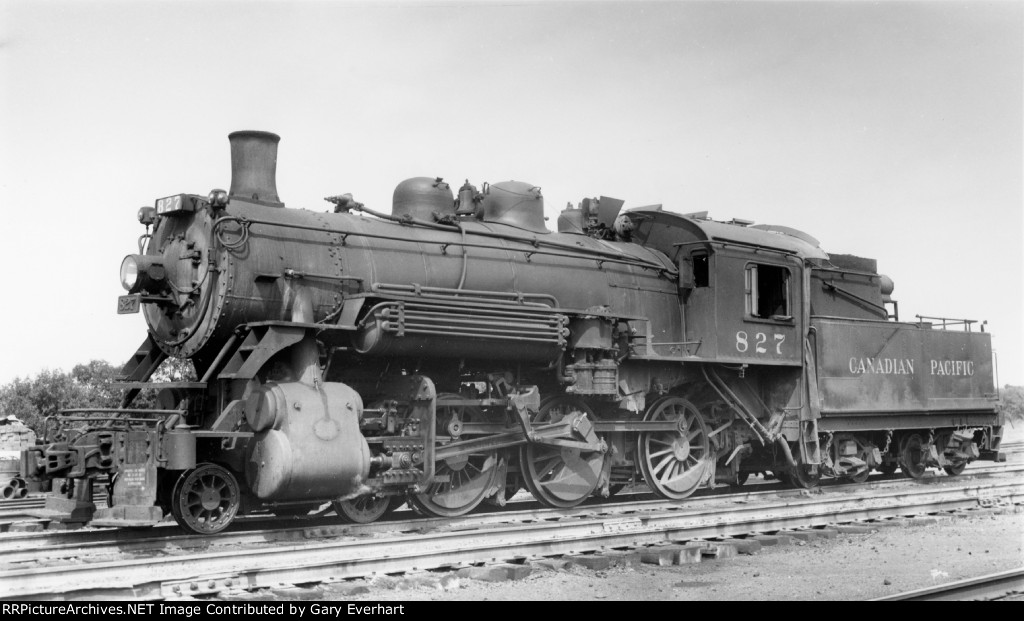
(667, 231)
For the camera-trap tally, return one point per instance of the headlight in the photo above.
(140, 272)
(130, 273)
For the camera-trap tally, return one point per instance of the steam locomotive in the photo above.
(456, 350)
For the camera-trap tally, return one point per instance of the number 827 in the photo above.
(760, 344)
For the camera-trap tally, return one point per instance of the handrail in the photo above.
(947, 321)
(576, 252)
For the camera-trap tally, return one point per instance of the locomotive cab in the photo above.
(741, 288)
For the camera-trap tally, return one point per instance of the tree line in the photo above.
(89, 385)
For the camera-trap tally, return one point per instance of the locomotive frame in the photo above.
(455, 350)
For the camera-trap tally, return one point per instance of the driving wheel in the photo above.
(464, 480)
(674, 463)
(560, 476)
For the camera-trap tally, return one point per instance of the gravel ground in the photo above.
(887, 561)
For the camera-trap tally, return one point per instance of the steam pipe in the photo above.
(788, 454)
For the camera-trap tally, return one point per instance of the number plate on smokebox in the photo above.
(127, 304)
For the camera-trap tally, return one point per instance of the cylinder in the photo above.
(254, 167)
(308, 445)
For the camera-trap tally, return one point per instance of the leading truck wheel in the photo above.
(674, 463)
(365, 509)
(205, 499)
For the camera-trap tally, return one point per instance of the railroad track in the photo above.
(327, 556)
(265, 529)
(19, 510)
(997, 586)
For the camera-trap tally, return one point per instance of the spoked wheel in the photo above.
(560, 477)
(469, 477)
(913, 455)
(674, 463)
(205, 499)
(365, 509)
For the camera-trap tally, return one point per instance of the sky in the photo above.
(888, 130)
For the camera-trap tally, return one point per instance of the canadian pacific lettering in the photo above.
(882, 366)
(952, 367)
(905, 366)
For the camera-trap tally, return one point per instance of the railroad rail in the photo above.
(1000, 585)
(222, 566)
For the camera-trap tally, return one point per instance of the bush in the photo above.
(1012, 398)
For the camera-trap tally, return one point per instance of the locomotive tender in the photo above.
(455, 350)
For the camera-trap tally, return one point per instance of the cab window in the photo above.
(767, 291)
(700, 269)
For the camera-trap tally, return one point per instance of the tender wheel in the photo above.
(560, 477)
(803, 478)
(859, 477)
(470, 477)
(365, 509)
(674, 463)
(863, 453)
(913, 455)
(205, 499)
(956, 469)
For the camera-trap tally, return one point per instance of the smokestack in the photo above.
(254, 167)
